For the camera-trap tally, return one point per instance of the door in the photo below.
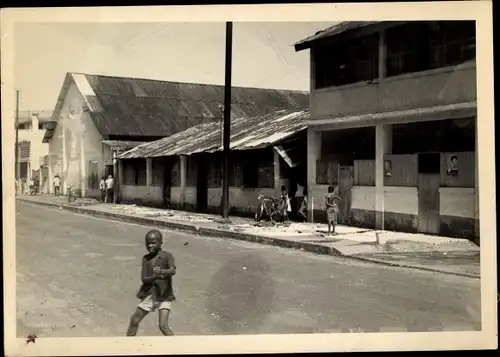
(346, 180)
(201, 183)
(108, 171)
(428, 203)
(429, 180)
(167, 182)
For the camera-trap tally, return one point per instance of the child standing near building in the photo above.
(156, 292)
(332, 208)
(102, 187)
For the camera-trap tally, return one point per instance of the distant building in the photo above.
(98, 117)
(32, 127)
(393, 123)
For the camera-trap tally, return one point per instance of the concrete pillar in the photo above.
(119, 181)
(277, 175)
(50, 173)
(83, 164)
(64, 169)
(149, 171)
(313, 154)
(383, 145)
(382, 56)
(476, 186)
(183, 171)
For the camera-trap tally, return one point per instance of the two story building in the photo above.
(393, 124)
(32, 126)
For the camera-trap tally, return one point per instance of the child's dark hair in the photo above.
(330, 189)
(283, 188)
(154, 233)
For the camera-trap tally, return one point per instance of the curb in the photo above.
(221, 233)
(407, 266)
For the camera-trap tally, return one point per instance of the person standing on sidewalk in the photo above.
(57, 185)
(156, 292)
(332, 208)
(36, 184)
(102, 188)
(110, 189)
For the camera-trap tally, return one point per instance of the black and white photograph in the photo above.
(248, 177)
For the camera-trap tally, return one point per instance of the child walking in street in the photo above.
(156, 292)
(332, 208)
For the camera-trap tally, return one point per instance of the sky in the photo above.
(263, 54)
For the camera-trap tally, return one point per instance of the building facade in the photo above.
(184, 171)
(98, 117)
(31, 130)
(393, 124)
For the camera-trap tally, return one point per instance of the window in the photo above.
(93, 175)
(157, 171)
(348, 62)
(257, 167)
(25, 126)
(429, 163)
(327, 172)
(42, 126)
(191, 171)
(215, 172)
(176, 173)
(452, 43)
(135, 172)
(423, 45)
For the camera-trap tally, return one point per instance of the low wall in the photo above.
(151, 195)
(457, 212)
(241, 201)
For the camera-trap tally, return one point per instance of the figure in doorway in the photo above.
(299, 198)
(332, 208)
(302, 211)
(285, 204)
(57, 185)
(36, 185)
(110, 189)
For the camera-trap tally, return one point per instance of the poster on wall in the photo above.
(387, 168)
(452, 165)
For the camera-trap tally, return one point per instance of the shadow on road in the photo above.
(240, 294)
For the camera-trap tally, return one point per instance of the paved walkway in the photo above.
(440, 254)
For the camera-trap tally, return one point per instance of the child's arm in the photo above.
(171, 270)
(145, 278)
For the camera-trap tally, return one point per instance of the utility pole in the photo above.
(227, 120)
(18, 164)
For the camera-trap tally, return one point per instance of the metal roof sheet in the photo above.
(332, 31)
(121, 144)
(246, 133)
(146, 107)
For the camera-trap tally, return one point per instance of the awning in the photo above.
(246, 134)
(450, 111)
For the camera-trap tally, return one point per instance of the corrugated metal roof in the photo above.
(246, 133)
(145, 107)
(332, 31)
(121, 144)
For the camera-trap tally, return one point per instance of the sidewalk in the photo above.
(417, 251)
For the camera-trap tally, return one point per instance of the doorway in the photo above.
(346, 181)
(108, 170)
(201, 183)
(167, 182)
(429, 179)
